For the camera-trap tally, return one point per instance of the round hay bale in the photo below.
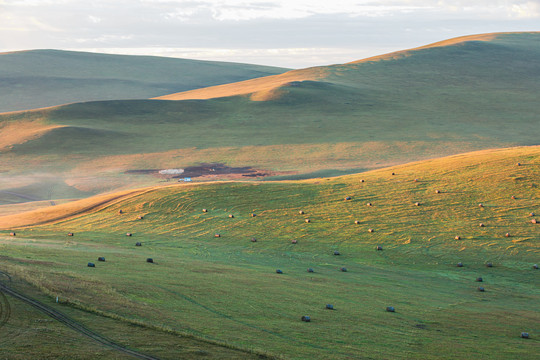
(531, 214)
(513, 197)
(138, 244)
(415, 180)
(457, 237)
(337, 253)
(253, 240)
(129, 234)
(70, 234)
(489, 264)
(524, 335)
(91, 264)
(479, 279)
(437, 191)
(480, 205)
(362, 180)
(294, 241)
(390, 309)
(507, 234)
(278, 271)
(533, 221)
(231, 216)
(393, 174)
(120, 211)
(356, 222)
(306, 318)
(149, 260)
(101, 258)
(140, 217)
(518, 164)
(301, 212)
(370, 230)
(343, 269)
(347, 198)
(204, 210)
(307, 220)
(330, 306)
(310, 270)
(217, 235)
(253, 215)
(369, 204)
(481, 289)
(417, 204)
(535, 266)
(481, 225)
(379, 248)
(12, 234)
(459, 264)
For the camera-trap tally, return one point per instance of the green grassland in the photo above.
(428, 103)
(40, 78)
(226, 290)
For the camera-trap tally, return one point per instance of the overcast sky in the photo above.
(289, 33)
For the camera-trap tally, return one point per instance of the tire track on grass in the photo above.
(78, 327)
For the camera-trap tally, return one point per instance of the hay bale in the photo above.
(337, 253)
(457, 237)
(12, 233)
(390, 309)
(140, 217)
(129, 234)
(489, 264)
(362, 180)
(369, 204)
(480, 205)
(101, 258)
(518, 164)
(138, 244)
(294, 241)
(481, 225)
(307, 220)
(70, 234)
(535, 266)
(533, 221)
(278, 271)
(217, 235)
(415, 180)
(306, 318)
(204, 210)
(393, 174)
(437, 191)
(301, 212)
(531, 214)
(330, 306)
(120, 211)
(370, 230)
(343, 269)
(507, 234)
(253, 240)
(479, 279)
(231, 216)
(356, 222)
(524, 335)
(347, 198)
(481, 289)
(149, 260)
(417, 204)
(513, 197)
(379, 248)
(459, 264)
(310, 270)
(253, 215)
(91, 264)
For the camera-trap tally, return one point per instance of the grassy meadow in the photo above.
(225, 289)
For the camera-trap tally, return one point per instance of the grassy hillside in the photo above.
(40, 78)
(226, 288)
(454, 97)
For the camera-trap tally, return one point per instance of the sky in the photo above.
(287, 33)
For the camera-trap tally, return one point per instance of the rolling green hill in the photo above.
(426, 216)
(462, 95)
(41, 78)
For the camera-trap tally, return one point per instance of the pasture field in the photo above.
(225, 289)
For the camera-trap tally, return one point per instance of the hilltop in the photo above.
(425, 216)
(42, 78)
(461, 95)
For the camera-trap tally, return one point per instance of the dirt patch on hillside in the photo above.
(209, 171)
